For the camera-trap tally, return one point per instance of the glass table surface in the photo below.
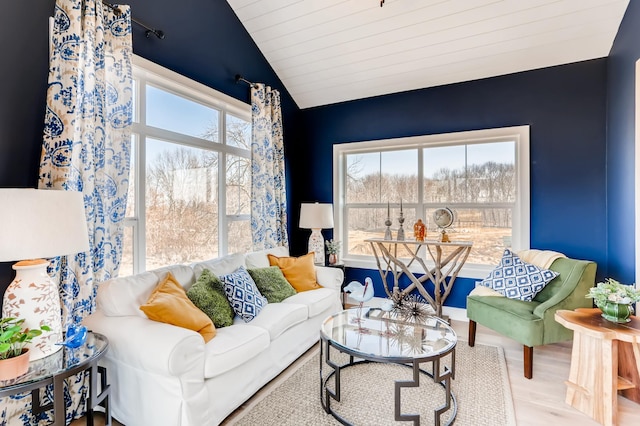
(385, 336)
(61, 361)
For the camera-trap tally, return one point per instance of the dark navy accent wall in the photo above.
(204, 41)
(565, 107)
(621, 146)
(24, 45)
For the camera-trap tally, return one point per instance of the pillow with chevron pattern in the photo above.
(516, 279)
(243, 294)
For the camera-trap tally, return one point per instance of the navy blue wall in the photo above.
(565, 107)
(24, 32)
(620, 146)
(204, 41)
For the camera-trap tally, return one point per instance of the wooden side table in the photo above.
(605, 360)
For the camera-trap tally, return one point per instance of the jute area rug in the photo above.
(481, 388)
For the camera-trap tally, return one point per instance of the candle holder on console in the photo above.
(400, 236)
(387, 223)
(387, 232)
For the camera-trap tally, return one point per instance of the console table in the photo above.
(55, 368)
(605, 360)
(448, 258)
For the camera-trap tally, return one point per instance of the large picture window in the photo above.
(483, 176)
(189, 193)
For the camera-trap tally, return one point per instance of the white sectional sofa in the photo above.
(166, 375)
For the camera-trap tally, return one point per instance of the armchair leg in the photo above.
(528, 361)
(472, 333)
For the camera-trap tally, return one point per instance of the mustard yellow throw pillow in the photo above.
(169, 303)
(299, 271)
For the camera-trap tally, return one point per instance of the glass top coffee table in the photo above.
(381, 337)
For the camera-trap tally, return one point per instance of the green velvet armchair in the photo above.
(532, 323)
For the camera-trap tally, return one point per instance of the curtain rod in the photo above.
(240, 78)
(149, 30)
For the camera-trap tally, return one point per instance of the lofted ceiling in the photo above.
(328, 51)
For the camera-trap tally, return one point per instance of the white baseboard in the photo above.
(458, 314)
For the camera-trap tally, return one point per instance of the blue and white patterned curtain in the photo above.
(268, 192)
(86, 147)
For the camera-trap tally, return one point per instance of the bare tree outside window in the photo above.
(181, 204)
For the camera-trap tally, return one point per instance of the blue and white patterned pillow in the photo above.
(516, 279)
(243, 294)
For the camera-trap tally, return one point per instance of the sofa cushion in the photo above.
(512, 317)
(183, 274)
(169, 303)
(272, 283)
(259, 259)
(208, 295)
(516, 279)
(123, 296)
(316, 301)
(221, 266)
(299, 271)
(276, 318)
(232, 347)
(242, 293)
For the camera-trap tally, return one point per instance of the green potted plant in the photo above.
(333, 248)
(14, 355)
(614, 299)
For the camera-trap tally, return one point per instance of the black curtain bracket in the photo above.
(148, 29)
(241, 79)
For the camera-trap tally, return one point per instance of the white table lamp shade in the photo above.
(37, 224)
(316, 216)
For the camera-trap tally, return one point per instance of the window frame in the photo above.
(521, 211)
(146, 73)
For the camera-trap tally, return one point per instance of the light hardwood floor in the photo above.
(539, 401)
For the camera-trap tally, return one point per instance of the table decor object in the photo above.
(419, 230)
(37, 225)
(14, 355)
(443, 218)
(316, 216)
(400, 235)
(360, 293)
(387, 224)
(333, 248)
(614, 299)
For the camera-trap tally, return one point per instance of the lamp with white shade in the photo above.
(38, 224)
(316, 216)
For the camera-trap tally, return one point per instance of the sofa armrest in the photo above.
(579, 277)
(150, 345)
(330, 277)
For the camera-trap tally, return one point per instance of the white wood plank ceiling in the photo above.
(328, 51)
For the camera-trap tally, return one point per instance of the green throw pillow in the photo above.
(272, 283)
(207, 294)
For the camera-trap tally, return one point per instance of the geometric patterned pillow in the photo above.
(517, 279)
(242, 293)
